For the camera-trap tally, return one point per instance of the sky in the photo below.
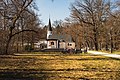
(56, 10)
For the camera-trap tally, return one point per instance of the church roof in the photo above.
(62, 37)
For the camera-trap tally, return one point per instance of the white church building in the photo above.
(57, 41)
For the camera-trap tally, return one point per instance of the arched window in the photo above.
(69, 44)
(52, 43)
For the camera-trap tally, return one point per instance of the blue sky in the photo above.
(59, 9)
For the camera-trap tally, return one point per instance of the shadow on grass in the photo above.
(79, 59)
(23, 75)
(34, 75)
(47, 75)
(50, 76)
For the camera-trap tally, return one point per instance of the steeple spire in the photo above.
(49, 25)
(49, 30)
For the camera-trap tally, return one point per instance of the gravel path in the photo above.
(117, 56)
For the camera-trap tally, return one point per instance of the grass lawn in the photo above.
(57, 66)
(116, 52)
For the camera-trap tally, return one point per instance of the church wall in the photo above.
(62, 45)
(52, 44)
(48, 34)
(70, 45)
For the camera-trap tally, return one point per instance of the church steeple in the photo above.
(49, 30)
(49, 25)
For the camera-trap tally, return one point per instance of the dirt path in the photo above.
(117, 56)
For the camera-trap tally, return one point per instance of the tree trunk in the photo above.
(111, 42)
(100, 45)
(95, 40)
(7, 45)
(106, 43)
(96, 44)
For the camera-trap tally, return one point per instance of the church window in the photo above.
(69, 44)
(52, 43)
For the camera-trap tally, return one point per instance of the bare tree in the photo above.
(93, 13)
(13, 11)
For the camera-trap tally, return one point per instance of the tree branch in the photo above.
(81, 17)
(24, 31)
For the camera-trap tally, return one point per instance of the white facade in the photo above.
(62, 45)
(37, 45)
(48, 34)
(52, 44)
(70, 45)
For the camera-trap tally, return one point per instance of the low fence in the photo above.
(62, 50)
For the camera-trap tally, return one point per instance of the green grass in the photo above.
(59, 66)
